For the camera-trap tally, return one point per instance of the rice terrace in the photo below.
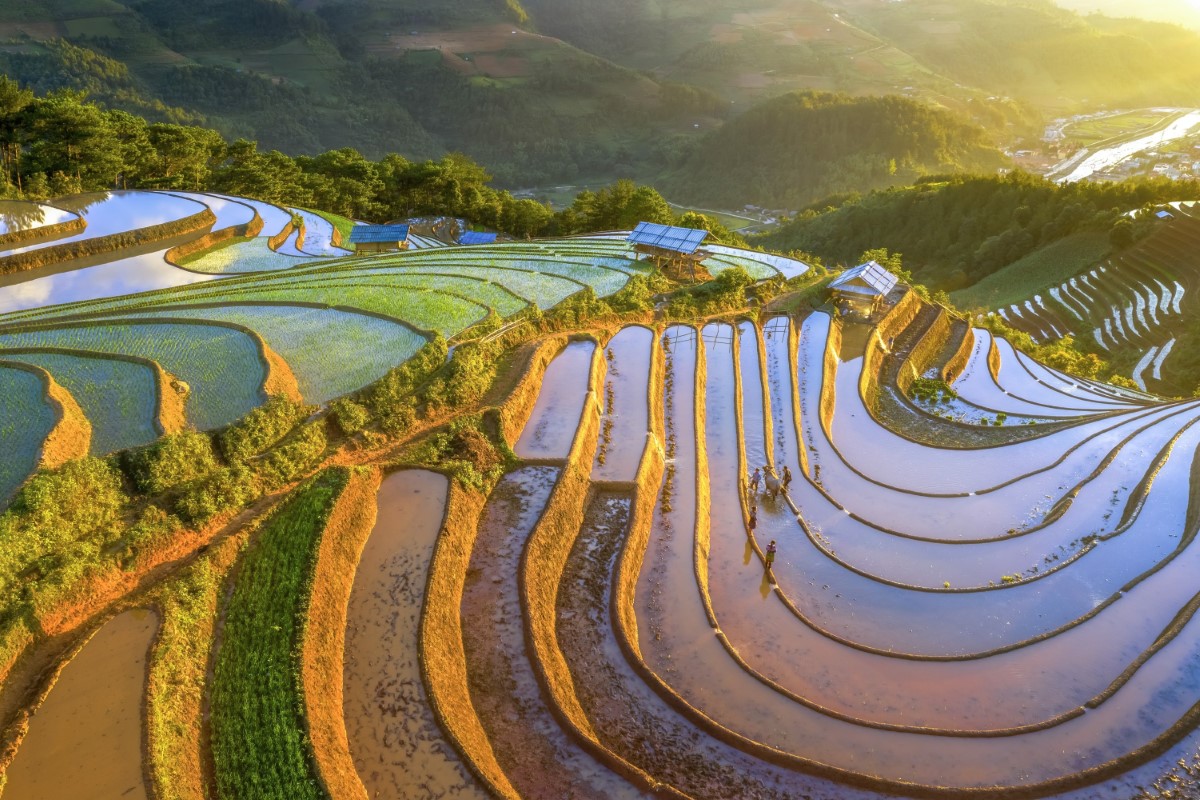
(606, 515)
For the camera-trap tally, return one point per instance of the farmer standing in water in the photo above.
(770, 555)
(755, 480)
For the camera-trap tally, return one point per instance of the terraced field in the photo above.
(1134, 305)
(989, 595)
(921, 628)
(982, 591)
(269, 304)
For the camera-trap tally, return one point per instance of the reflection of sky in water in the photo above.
(228, 212)
(124, 211)
(274, 218)
(16, 215)
(125, 276)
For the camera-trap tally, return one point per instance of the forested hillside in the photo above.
(1042, 54)
(797, 148)
(958, 231)
(377, 76)
(60, 144)
(569, 92)
(1034, 52)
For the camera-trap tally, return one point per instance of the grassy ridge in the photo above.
(260, 742)
(1041, 269)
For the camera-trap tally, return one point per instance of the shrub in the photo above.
(394, 390)
(638, 293)
(351, 417)
(398, 420)
(81, 501)
(83, 495)
(299, 453)
(261, 428)
(225, 489)
(726, 292)
(466, 378)
(576, 310)
(466, 452)
(172, 462)
(153, 525)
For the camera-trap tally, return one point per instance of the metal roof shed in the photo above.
(674, 250)
(378, 238)
(477, 237)
(863, 287)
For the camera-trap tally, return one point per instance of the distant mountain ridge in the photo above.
(564, 91)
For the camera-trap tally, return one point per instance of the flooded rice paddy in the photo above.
(20, 216)
(86, 740)
(1020, 619)
(107, 213)
(397, 746)
(1016, 619)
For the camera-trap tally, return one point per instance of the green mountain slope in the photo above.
(956, 233)
(1039, 53)
(797, 148)
(378, 76)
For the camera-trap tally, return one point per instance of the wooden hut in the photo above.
(863, 288)
(676, 251)
(379, 238)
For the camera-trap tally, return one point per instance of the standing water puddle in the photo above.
(397, 746)
(85, 742)
(625, 421)
(531, 747)
(551, 428)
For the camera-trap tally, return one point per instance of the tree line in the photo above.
(957, 230)
(61, 144)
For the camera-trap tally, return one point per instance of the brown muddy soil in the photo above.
(627, 714)
(538, 757)
(85, 742)
(398, 748)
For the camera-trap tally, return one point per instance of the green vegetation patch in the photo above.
(259, 741)
(221, 366)
(25, 420)
(118, 397)
(331, 352)
(343, 225)
(238, 256)
(1041, 269)
(542, 288)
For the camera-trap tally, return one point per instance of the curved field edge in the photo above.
(259, 741)
(197, 223)
(525, 381)
(19, 727)
(324, 635)
(546, 555)
(70, 437)
(442, 654)
(177, 731)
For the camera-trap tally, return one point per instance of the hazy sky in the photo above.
(1183, 12)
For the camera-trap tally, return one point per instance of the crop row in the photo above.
(259, 740)
(25, 421)
(222, 366)
(119, 397)
(330, 352)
